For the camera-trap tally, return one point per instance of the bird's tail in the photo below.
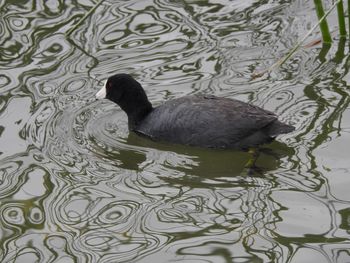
(278, 127)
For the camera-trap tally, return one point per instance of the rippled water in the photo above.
(75, 186)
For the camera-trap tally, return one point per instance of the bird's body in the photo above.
(196, 120)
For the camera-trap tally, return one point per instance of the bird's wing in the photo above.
(203, 120)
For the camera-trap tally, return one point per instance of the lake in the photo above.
(76, 186)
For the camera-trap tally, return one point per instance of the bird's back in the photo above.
(209, 121)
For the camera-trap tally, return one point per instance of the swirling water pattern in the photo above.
(75, 186)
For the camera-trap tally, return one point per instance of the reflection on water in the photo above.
(75, 186)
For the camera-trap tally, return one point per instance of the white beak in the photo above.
(102, 92)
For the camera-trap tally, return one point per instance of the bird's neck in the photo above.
(137, 107)
(136, 116)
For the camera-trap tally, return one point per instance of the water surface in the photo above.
(75, 186)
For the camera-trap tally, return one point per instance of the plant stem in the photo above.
(349, 16)
(341, 19)
(296, 47)
(309, 33)
(323, 25)
(70, 31)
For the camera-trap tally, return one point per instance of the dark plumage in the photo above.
(197, 120)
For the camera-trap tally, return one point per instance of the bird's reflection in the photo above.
(205, 163)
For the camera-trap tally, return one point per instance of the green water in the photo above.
(75, 186)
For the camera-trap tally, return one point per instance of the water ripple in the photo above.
(76, 186)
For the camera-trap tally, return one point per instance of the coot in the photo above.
(196, 120)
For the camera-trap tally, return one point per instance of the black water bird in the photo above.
(196, 120)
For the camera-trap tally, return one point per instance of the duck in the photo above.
(198, 120)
